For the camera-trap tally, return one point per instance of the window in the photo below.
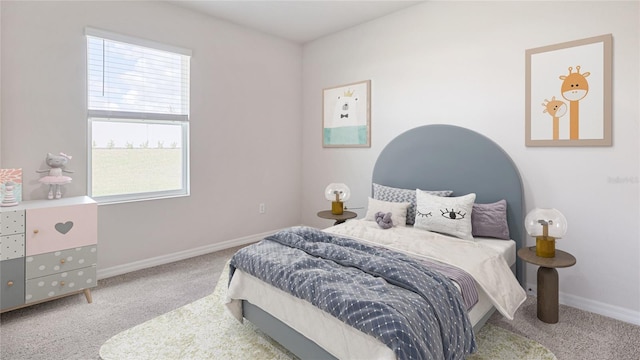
(138, 114)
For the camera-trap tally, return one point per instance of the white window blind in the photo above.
(127, 77)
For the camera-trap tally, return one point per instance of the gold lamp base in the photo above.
(337, 207)
(545, 246)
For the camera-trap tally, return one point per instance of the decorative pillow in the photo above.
(490, 220)
(387, 193)
(447, 215)
(398, 211)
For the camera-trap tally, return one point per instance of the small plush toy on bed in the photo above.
(384, 220)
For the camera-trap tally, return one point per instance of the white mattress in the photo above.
(506, 248)
(328, 332)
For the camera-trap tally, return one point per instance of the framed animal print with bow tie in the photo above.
(346, 115)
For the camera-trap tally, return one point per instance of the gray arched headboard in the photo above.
(447, 157)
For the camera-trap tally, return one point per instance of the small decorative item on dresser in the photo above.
(546, 225)
(9, 199)
(10, 187)
(337, 193)
(55, 178)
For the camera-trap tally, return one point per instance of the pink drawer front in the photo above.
(58, 228)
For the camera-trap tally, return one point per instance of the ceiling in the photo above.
(299, 21)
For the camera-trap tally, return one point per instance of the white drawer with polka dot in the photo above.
(59, 284)
(11, 246)
(58, 261)
(11, 222)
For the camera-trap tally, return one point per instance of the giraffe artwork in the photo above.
(573, 81)
(557, 109)
(574, 88)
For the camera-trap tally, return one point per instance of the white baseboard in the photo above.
(615, 312)
(181, 255)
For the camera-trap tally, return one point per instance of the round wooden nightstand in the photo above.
(547, 280)
(346, 215)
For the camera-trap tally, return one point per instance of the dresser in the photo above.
(48, 249)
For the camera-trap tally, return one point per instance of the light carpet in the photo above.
(204, 329)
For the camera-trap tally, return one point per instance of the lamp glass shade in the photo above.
(536, 219)
(341, 190)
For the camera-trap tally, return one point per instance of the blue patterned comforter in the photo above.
(415, 311)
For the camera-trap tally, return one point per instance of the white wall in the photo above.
(245, 122)
(463, 63)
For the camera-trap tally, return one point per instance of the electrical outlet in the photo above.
(531, 290)
(261, 208)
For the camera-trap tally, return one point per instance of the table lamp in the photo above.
(546, 225)
(337, 193)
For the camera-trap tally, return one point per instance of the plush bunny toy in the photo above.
(55, 178)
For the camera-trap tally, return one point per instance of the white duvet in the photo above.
(485, 264)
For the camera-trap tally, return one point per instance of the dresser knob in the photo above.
(61, 261)
(9, 283)
(35, 231)
(61, 283)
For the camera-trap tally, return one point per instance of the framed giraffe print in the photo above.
(346, 115)
(568, 93)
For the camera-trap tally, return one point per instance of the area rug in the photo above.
(204, 329)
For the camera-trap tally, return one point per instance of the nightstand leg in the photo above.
(548, 295)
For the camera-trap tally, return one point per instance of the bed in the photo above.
(437, 157)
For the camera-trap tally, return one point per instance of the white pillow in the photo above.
(447, 215)
(398, 211)
(388, 193)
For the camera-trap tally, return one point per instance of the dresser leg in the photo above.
(87, 294)
(548, 295)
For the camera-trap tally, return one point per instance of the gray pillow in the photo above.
(490, 220)
(387, 193)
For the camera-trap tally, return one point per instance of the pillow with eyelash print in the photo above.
(384, 220)
(446, 215)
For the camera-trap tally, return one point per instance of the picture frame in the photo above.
(568, 93)
(346, 115)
